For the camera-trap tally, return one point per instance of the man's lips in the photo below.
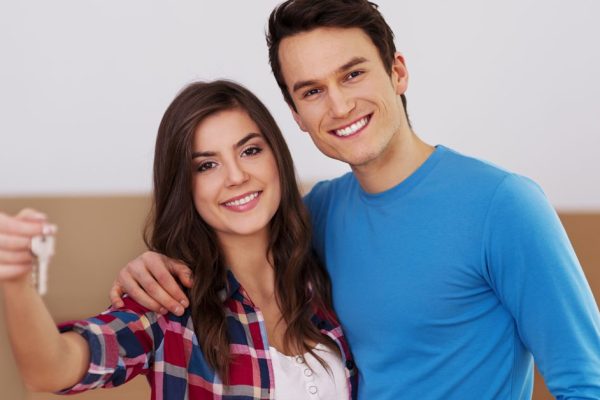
(352, 128)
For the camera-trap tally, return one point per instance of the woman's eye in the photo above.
(205, 166)
(251, 151)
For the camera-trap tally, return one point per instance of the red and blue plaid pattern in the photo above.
(133, 340)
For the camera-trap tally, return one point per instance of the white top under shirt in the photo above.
(294, 380)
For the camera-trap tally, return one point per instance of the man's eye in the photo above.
(311, 92)
(354, 74)
(205, 166)
(251, 151)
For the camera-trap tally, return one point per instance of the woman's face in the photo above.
(235, 178)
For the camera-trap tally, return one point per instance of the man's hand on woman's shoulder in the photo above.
(150, 280)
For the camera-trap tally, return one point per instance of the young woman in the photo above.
(226, 202)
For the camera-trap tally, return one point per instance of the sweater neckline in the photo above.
(407, 184)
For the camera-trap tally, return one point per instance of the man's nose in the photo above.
(340, 103)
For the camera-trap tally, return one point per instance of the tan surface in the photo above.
(584, 232)
(97, 236)
(9, 378)
(137, 389)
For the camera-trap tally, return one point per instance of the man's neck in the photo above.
(403, 156)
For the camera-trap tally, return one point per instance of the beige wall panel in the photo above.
(584, 231)
(9, 378)
(97, 236)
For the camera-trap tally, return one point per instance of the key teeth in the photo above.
(43, 249)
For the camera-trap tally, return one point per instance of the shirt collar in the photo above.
(232, 287)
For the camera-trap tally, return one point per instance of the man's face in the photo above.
(344, 97)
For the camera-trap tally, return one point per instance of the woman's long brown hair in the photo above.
(176, 230)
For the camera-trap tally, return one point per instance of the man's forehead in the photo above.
(320, 52)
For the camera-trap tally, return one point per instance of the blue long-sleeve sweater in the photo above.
(451, 283)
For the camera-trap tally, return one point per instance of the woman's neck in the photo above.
(247, 258)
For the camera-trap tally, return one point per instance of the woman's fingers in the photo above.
(14, 226)
(14, 243)
(15, 257)
(31, 215)
(8, 271)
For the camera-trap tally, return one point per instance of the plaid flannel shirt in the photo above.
(133, 340)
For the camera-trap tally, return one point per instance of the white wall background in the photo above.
(83, 85)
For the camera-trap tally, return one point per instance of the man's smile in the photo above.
(352, 128)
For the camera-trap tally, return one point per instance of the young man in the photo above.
(449, 274)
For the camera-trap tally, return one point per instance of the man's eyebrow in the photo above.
(240, 143)
(353, 62)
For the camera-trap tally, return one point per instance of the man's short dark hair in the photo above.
(295, 16)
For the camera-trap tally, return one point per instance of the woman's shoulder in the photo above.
(165, 321)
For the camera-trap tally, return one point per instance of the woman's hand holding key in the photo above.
(16, 233)
(48, 360)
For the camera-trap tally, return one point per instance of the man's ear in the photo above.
(399, 74)
(298, 119)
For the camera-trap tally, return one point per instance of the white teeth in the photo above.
(349, 130)
(245, 200)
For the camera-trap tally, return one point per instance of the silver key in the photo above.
(43, 249)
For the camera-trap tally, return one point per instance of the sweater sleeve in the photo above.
(121, 343)
(535, 273)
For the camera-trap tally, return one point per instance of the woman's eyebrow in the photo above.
(240, 143)
(246, 138)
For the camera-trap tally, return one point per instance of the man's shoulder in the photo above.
(328, 187)
(326, 192)
(467, 164)
(504, 189)
(462, 171)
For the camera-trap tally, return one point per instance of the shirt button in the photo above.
(312, 390)
(308, 372)
(300, 359)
